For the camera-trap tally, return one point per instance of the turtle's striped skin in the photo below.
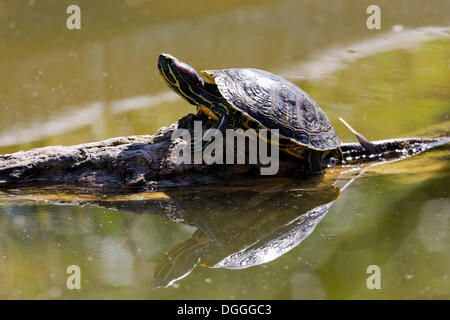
(252, 98)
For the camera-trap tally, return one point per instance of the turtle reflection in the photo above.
(238, 226)
(260, 227)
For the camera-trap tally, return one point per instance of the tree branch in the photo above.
(144, 162)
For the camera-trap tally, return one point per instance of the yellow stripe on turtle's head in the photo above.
(181, 78)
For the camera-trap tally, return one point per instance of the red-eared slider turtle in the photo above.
(252, 98)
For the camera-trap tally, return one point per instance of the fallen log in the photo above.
(144, 162)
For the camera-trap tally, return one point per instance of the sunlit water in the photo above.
(68, 87)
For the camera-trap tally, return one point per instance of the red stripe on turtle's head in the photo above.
(171, 66)
(181, 77)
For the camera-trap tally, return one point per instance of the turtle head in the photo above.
(182, 78)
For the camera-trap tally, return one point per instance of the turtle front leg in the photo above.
(315, 161)
(218, 128)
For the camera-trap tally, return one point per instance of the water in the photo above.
(69, 87)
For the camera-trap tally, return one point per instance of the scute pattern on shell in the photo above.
(277, 104)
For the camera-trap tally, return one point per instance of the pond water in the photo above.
(61, 87)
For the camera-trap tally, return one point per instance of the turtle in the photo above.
(252, 98)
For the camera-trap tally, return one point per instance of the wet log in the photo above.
(144, 162)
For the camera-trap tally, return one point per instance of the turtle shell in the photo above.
(276, 103)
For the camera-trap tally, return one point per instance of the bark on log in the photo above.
(144, 162)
